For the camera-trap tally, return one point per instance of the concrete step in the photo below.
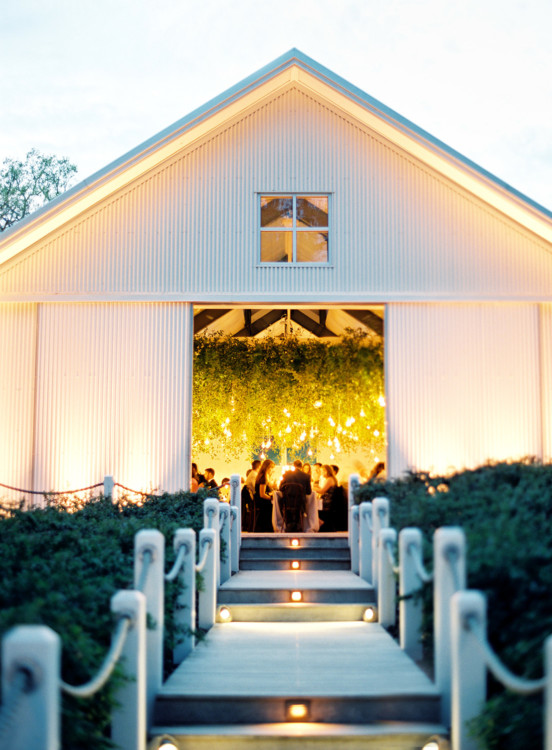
(294, 613)
(276, 587)
(300, 736)
(296, 541)
(275, 552)
(301, 563)
(252, 709)
(251, 673)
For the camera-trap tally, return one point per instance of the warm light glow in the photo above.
(294, 542)
(295, 565)
(369, 614)
(167, 743)
(296, 596)
(381, 401)
(431, 745)
(298, 711)
(225, 614)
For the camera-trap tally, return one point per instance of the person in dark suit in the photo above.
(297, 476)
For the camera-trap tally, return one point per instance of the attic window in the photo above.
(294, 228)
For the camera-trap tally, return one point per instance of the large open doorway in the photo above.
(323, 402)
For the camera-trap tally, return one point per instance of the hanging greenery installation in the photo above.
(252, 395)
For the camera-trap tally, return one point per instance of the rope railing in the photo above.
(106, 670)
(451, 555)
(147, 558)
(51, 492)
(178, 563)
(502, 673)
(390, 551)
(418, 563)
(205, 547)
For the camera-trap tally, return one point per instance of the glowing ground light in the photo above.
(296, 596)
(295, 565)
(225, 614)
(369, 614)
(294, 542)
(297, 711)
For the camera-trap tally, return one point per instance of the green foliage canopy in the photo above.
(27, 185)
(288, 392)
(505, 510)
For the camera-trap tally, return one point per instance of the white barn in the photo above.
(293, 189)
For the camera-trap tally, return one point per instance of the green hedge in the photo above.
(61, 569)
(506, 511)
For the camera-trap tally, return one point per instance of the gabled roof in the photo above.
(291, 68)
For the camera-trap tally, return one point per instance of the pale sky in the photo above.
(92, 79)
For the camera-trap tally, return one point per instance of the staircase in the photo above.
(277, 671)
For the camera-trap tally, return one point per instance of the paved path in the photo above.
(298, 659)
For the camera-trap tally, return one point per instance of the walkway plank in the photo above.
(320, 659)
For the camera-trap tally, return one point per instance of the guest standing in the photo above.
(263, 498)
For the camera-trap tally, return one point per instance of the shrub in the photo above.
(61, 569)
(505, 510)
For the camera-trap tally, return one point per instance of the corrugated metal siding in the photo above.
(113, 395)
(463, 385)
(17, 371)
(546, 378)
(398, 231)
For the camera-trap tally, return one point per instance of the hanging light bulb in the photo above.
(331, 421)
(288, 429)
(317, 404)
(309, 452)
(381, 401)
(362, 414)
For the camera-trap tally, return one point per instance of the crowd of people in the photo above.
(261, 483)
(319, 481)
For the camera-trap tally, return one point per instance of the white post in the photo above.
(365, 542)
(380, 520)
(387, 586)
(185, 614)
(352, 487)
(449, 576)
(235, 534)
(207, 600)
(129, 718)
(354, 515)
(225, 537)
(469, 673)
(36, 650)
(108, 487)
(410, 608)
(235, 499)
(211, 520)
(548, 694)
(149, 544)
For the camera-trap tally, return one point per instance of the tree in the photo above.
(27, 185)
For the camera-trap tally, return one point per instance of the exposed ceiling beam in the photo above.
(261, 323)
(206, 317)
(368, 319)
(311, 325)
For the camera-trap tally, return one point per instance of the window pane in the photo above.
(276, 247)
(312, 210)
(276, 211)
(312, 247)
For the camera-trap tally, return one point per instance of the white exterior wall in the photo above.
(113, 397)
(546, 378)
(188, 229)
(18, 325)
(463, 384)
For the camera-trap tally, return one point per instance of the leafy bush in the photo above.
(505, 510)
(61, 569)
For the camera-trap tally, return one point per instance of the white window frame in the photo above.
(293, 230)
